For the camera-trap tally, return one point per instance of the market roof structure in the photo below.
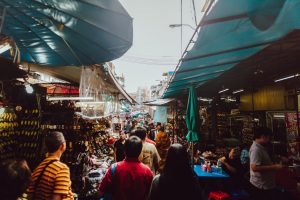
(231, 33)
(67, 32)
(159, 102)
(72, 74)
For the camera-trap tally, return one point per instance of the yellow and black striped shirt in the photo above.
(55, 180)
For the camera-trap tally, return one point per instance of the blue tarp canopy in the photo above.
(231, 33)
(68, 32)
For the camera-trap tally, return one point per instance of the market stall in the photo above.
(245, 65)
(50, 44)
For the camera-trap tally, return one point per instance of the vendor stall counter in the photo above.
(202, 174)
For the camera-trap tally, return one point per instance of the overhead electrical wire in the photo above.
(195, 13)
(150, 61)
(181, 28)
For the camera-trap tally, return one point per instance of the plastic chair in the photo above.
(218, 195)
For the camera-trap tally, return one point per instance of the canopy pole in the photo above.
(173, 109)
(192, 143)
(2, 17)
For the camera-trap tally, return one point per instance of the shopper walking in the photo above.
(15, 177)
(149, 155)
(262, 170)
(51, 179)
(177, 180)
(163, 143)
(129, 179)
(148, 133)
(152, 132)
(119, 153)
(128, 126)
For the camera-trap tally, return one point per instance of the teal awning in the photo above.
(232, 32)
(68, 32)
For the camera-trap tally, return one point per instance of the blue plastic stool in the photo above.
(239, 195)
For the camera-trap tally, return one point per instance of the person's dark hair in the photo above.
(140, 132)
(158, 124)
(53, 141)
(244, 146)
(161, 128)
(15, 177)
(178, 176)
(177, 160)
(133, 147)
(134, 123)
(151, 125)
(261, 131)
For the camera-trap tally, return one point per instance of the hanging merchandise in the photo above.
(8, 126)
(28, 133)
(87, 152)
(20, 123)
(292, 134)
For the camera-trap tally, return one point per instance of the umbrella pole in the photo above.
(192, 150)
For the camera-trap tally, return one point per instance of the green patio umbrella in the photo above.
(192, 120)
(192, 117)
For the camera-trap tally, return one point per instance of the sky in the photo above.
(156, 47)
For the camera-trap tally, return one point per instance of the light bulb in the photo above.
(2, 110)
(29, 89)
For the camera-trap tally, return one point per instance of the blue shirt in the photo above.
(244, 156)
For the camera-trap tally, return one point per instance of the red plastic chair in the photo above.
(218, 195)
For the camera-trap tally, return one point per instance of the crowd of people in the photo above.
(143, 169)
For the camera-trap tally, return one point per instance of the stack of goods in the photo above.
(222, 125)
(180, 126)
(97, 168)
(96, 161)
(28, 134)
(222, 151)
(170, 127)
(247, 136)
(20, 134)
(87, 153)
(8, 125)
(181, 139)
(101, 124)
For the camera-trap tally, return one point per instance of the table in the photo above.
(201, 174)
(211, 181)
